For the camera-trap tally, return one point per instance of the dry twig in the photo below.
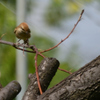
(68, 34)
(65, 71)
(36, 68)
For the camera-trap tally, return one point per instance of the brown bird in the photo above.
(22, 32)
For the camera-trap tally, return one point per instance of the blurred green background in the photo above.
(54, 15)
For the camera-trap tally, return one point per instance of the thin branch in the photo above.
(67, 36)
(64, 70)
(2, 36)
(17, 46)
(21, 45)
(36, 68)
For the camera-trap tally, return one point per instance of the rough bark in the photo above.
(10, 91)
(84, 84)
(46, 70)
(81, 85)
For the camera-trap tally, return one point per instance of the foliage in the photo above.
(58, 10)
(7, 54)
(55, 12)
(9, 2)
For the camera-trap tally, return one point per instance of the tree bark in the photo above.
(10, 91)
(81, 85)
(46, 70)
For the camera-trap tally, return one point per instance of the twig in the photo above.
(36, 68)
(67, 36)
(65, 71)
(34, 50)
(16, 45)
(2, 36)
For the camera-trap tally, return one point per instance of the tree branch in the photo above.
(17, 46)
(68, 34)
(46, 71)
(84, 84)
(10, 91)
(26, 46)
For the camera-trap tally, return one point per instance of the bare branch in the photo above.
(10, 91)
(67, 36)
(36, 68)
(83, 84)
(33, 51)
(17, 46)
(65, 70)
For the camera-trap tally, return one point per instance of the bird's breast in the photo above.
(22, 35)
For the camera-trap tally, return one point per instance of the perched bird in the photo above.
(22, 32)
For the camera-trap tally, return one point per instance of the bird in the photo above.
(22, 32)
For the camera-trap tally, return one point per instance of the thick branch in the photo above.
(10, 91)
(81, 85)
(46, 71)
